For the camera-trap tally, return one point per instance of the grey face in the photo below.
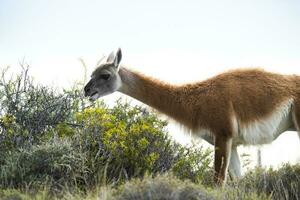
(105, 79)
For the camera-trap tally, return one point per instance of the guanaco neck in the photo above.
(161, 96)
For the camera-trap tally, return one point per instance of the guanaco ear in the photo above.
(110, 58)
(118, 58)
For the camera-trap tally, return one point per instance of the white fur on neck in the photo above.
(118, 83)
(127, 81)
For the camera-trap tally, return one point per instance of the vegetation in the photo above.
(54, 144)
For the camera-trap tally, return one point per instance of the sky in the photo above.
(176, 41)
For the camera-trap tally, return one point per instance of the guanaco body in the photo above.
(233, 108)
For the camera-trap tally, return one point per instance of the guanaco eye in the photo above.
(105, 76)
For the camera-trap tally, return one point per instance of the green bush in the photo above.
(161, 187)
(54, 164)
(28, 110)
(169, 187)
(283, 183)
(128, 141)
(11, 135)
(194, 164)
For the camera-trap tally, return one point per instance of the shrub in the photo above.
(53, 164)
(194, 164)
(128, 141)
(161, 187)
(29, 110)
(169, 187)
(283, 183)
(11, 135)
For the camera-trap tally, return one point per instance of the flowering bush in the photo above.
(40, 126)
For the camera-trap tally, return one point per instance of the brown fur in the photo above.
(249, 94)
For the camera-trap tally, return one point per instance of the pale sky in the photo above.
(176, 41)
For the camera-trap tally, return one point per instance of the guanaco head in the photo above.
(105, 79)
